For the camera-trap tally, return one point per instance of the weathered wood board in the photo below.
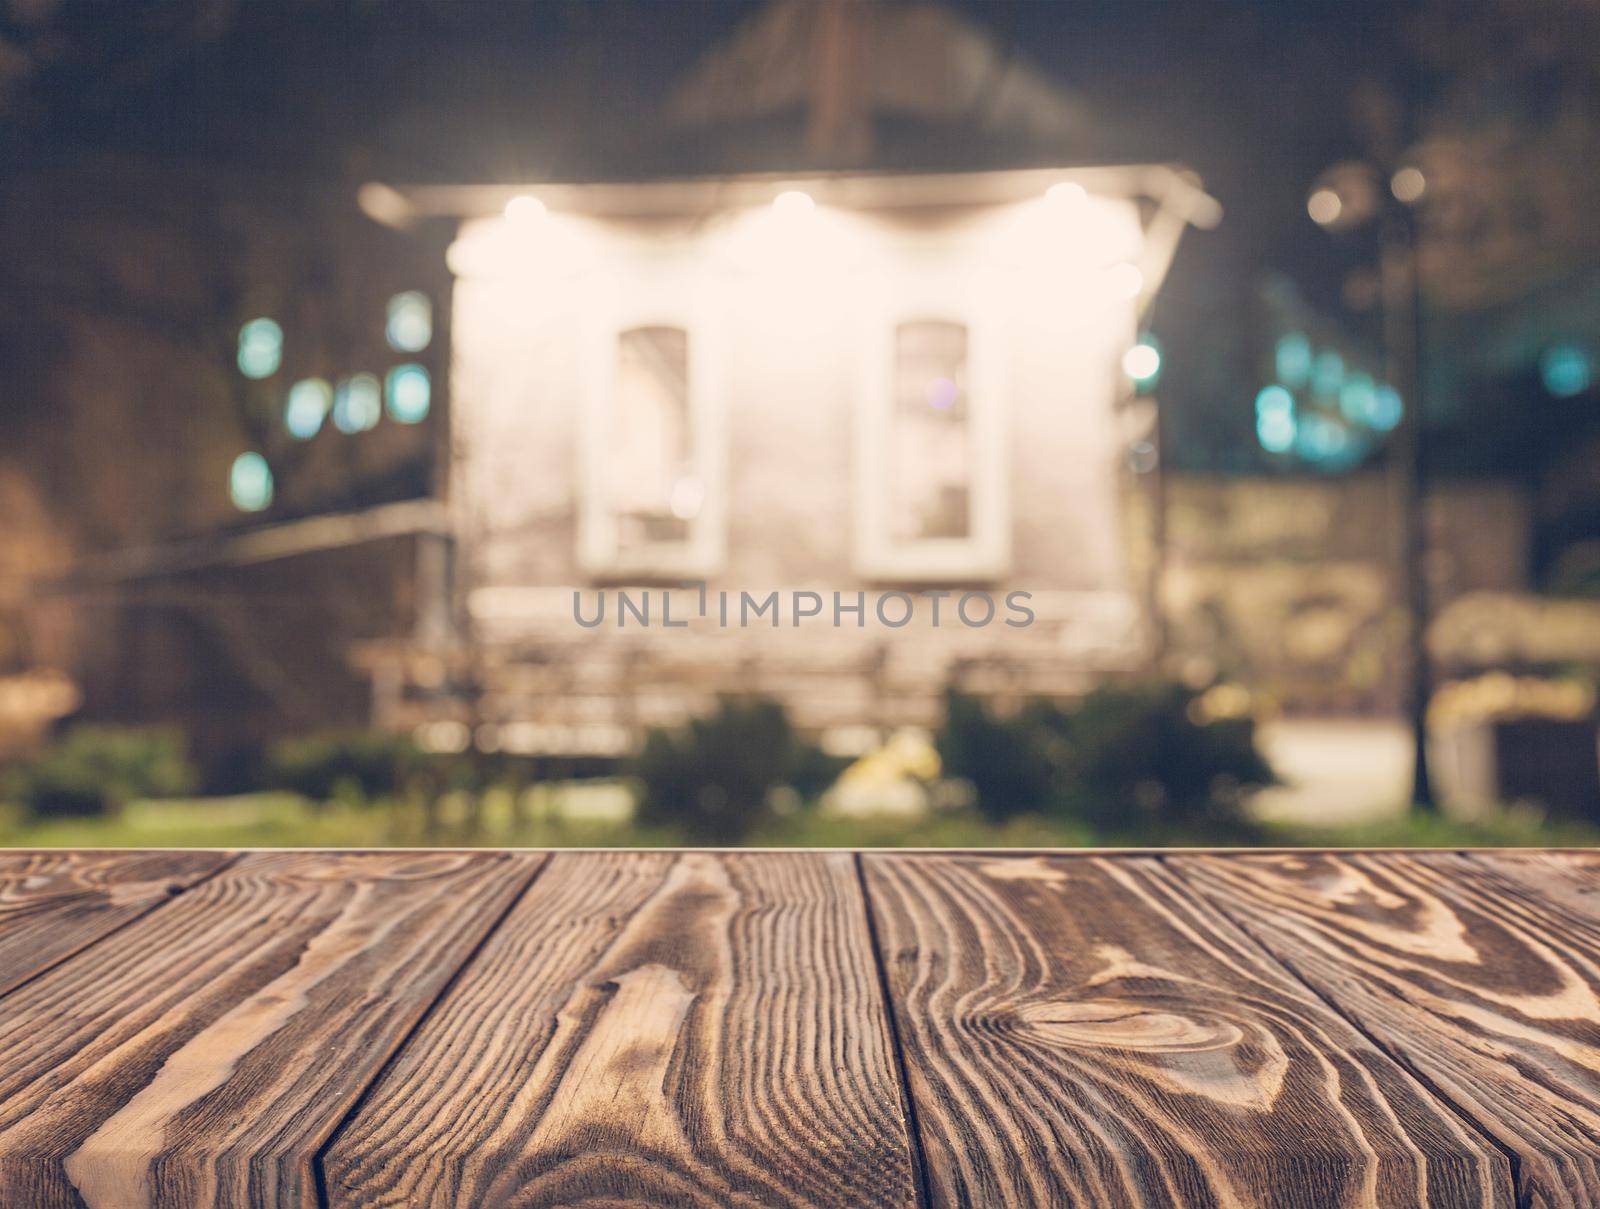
(54, 904)
(1487, 989)
(201, 1055)
(1081, 1031)
(692, 1029)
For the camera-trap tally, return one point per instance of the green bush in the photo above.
(1016, 765)
(96, 770)
(714, 778)
(346, 765)
(1122, 758)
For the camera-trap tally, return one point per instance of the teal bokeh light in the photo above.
(250, 482)
(1566, 370)
(408, 393)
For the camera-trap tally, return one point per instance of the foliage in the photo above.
(1124, 757)
(96, 770)
(714, 779)
(346, 765)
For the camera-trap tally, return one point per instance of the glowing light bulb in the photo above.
(523, 208)
(1066, 193)
(793, 201)
(1142, 362)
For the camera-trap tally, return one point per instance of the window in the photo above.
(930, 468)
(930, 446)
(651, 426)
(655, 492)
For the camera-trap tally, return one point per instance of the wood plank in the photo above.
(1489, 992)
(202, 1054)
(1083, 1031)
(1570, 879)
(55, 903)
(692, 1029)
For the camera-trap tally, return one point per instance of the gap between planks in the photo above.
(1383, 1047)
(318, 1171)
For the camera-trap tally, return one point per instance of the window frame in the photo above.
(931, 295)
(655, 293)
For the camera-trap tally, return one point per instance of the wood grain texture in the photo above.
(687, 1029)
(1081, 1031)
(201, 1055)
(1485, 986)
(53, 904)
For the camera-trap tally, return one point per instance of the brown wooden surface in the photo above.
(1481, 983)
(685, 1029)
(52, 904)
(202, 1054)
(502, 1029)
(1083, 1031)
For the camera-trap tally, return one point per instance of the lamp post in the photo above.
(1347, 196)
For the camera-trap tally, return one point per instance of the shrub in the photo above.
(1013, 764)
(1124, 756)
(714, 778)
(345, 764)
(95, 770)
(1144, 754)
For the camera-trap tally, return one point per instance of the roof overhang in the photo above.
(1174, 189)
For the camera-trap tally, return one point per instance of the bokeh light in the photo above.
(1358, 398)
(410, 325)
(1408, 185)
(1566, 370)
(306, 408)
(1386, 409)
(1324, 207)
(357, 403)
(1142, 362)
(1327, 373)
(408, 393)
(250, 482)
(260, 348)
(1292, 359)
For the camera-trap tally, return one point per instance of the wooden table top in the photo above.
(799, 1028)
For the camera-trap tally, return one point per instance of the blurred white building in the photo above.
(835, 380)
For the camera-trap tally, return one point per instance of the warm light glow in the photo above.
(1066, 193)
(686, 497)
(357, 403)
(260, 348)
(307, 406)
(1125, 280)
(408, 393)
(1408, 185)
(1324, 207)
(250, 482)
(410, 322)
(1142, 362)
(793, 201)
(523, 208)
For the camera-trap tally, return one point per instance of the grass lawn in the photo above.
(553, 817)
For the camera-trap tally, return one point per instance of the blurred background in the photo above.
(343, 341)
